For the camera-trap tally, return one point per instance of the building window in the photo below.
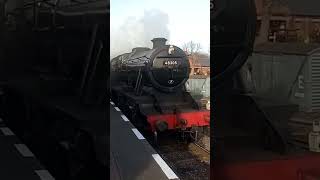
(299, 27)
(277, 31)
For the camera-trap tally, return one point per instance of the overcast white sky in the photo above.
(136, 22)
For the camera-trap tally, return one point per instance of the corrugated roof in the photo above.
(286, 48)
(305, 7)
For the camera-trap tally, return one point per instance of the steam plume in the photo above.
(138, 32)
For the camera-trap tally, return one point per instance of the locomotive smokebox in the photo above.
(158, 42)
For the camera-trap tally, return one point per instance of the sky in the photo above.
(135, 22)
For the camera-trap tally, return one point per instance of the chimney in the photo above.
(157, 42)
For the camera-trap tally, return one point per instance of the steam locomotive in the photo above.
(149, 86)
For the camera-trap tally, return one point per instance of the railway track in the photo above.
(191, 161)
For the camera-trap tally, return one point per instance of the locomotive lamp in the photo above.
(208, 105)
(170, 50)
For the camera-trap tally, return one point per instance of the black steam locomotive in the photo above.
(149, 86)
(164, 67)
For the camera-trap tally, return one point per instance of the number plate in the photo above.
(170, 62)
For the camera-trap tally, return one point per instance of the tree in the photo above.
(191, 47)
(193, 51)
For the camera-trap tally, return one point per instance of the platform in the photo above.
(131, 156)
(16, 160)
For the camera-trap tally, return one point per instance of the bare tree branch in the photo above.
(193, 51)
(191, 47)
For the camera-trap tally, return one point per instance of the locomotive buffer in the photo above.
(132, 157)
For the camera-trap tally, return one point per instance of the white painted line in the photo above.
(165, 168)
(24, 150)
(112, 103)
(44, 175)
(124, 118)
(137, 133)
(6, 131)
(117, 108)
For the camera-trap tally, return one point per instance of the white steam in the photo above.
(138, 32)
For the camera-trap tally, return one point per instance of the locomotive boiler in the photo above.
(164, 67)
(149, 86)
